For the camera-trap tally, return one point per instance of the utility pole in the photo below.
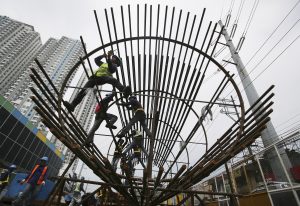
(269, 135)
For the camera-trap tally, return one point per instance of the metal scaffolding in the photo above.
(165, 65)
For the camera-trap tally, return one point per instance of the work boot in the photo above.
(111, 126)
(127, 91)
(69, 106)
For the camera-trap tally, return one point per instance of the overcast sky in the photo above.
(72, 18)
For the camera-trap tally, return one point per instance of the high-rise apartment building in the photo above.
(84, 113)
(19, 44)
(57, 58)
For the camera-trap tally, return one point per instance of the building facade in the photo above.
(22, 144)
(57, 58)
(84, 113)
(19, 45)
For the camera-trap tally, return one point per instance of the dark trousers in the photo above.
(96, 81)
(115, 160)
(139, 116)
(28, 195)
(110, 118)
(137, 157)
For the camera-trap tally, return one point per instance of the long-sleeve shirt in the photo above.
(112, 68)
(132, 104)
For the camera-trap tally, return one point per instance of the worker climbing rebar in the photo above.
(118, 152)
(137, 145)
(139, 116)
(101, 114)
(103, 75)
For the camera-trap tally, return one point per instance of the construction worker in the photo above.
(136, 154)
(101, 114)
(76, 197)
(35, 180)
(103, 75)
(4, 179)
(101, 195)
(118, 152)
(68, 188)
(139, 116)
(127, 166)
(137, 142)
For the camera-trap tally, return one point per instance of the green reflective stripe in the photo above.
(103, 71)
(77, 187)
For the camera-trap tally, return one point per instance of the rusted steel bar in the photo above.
(184, 200)
(173, 181)
(53, 192)
(145, 187)
(121, 109)
(52, 100)
(49, 114)
(231, 153)
(60, 192)
(158, 189)
(100, 170)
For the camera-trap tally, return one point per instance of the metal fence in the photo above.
(269, 177)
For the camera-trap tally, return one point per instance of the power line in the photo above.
(282, 123)
(273, 32)
(250, 17)
(239, 11)
(267, 55)
(274, 46)
(272, 61)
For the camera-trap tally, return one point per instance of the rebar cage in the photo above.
(167, 56)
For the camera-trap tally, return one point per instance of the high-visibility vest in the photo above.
(103, 71)
(77, 187)
(137, 151)
(120, 148)
(5, 181)
(42, 177)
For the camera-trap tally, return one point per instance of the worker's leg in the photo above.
(111, 119)
(34, 192)
(140, 160)
(97, 123)
(80, 95)
(128, 126)
(142, 120)
(23, 195)
(110, 80)
(114, 82)
(129, 147)
(115, 162)
(3, 191)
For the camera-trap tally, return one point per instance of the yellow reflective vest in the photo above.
(6, 180)
(103, 71)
